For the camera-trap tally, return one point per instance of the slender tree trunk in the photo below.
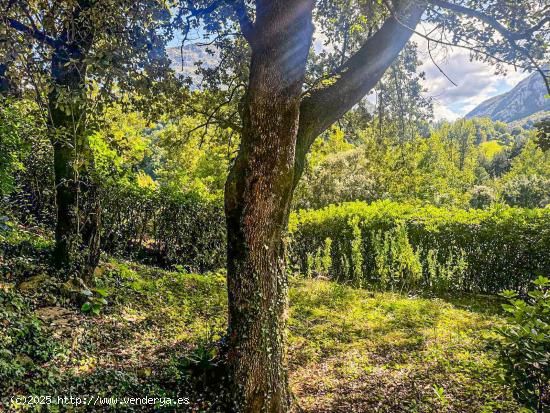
(257, 199)
(7, 86)
(77, 200)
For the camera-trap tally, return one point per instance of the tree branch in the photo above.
(490, 20)
(35, 33)
(509, 35)
(247, 27)
(353, 80)
(437, 66)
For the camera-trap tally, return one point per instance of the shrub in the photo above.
(529, 191)
(426, 247)
(397, 264)
(525, 345)
(482, 197)
(319, 265)
(356, 253)
(164, 227)
(342, 176)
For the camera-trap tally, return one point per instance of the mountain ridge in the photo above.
(522, 101)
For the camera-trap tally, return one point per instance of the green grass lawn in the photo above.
(357, 351)
(350, 350)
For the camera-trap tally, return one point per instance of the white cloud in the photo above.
(476, 81)
(443, 112)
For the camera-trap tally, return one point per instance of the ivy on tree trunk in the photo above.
(279, 126)
(257, 199)
(77, 246)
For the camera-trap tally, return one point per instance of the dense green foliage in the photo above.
(160, 193)
(161, 188)
(407, 247)
(525, 345)
(469, 163)
(161, 200)
(165, 227)
(472, 163)
(26, 176)
(9, 147)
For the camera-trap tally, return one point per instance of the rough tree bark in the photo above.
(78, 214)
(279, 126)
(257, 198)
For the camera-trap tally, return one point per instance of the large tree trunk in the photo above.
(78, 213)
(279, 126)
(257, 199)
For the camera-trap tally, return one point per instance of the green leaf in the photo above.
(508, 294)
(96, 308)
(86, 306)
(542, 282)
(101, 291)
(508, 307)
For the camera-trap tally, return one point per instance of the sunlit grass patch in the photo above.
(356, 350)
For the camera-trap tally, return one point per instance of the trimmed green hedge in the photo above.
(401, 246)
(383, 245)
(164, 227)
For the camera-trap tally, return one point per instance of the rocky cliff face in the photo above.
(524, 100)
